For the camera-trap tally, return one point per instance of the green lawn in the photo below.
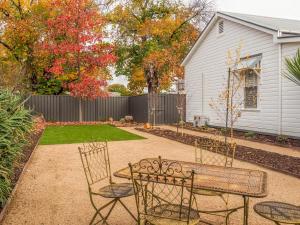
(84, 133)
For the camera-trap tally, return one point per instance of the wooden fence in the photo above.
(66, 108)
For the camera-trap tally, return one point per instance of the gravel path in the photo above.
(54, 191)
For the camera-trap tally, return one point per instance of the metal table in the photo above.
(237, 181)
(278, 212)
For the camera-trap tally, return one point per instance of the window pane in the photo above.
(250, 79)
(251, 97)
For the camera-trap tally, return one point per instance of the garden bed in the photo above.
(282, 141)
(114, 123)
(281, 163)
(33, 139)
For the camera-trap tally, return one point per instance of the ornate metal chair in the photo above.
(96, 164)
(161, 194)
(213, 151)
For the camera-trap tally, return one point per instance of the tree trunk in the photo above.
(227, 105)
(80, 110)
(151, 75)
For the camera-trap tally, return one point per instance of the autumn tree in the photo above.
(21, 25)
(119, 88)
(75, 41)
(153, 37)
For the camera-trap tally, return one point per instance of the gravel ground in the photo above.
(54, 191)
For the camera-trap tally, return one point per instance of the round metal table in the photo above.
(278, 212)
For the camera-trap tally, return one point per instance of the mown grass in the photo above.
(84, 133)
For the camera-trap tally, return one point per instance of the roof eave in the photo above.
(287, 39)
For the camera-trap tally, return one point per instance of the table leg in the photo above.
(246, 209)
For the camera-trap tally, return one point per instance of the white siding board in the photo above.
(210, 59)
(290, 96)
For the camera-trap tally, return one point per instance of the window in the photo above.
(250, 91)
(221, 27)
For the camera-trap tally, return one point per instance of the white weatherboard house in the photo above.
(268, 41)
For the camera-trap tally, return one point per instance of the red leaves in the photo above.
(75, 42)
(88, 87)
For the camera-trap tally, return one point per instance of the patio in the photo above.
(54, 190)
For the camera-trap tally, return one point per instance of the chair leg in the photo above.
(109, 212)
(130, 213)
(99, 213)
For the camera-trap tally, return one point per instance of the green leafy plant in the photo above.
(250, 134)
(293, 68)
(48, 86)
(223, 130)
(282, 139)
(119, 88)
(15, 123)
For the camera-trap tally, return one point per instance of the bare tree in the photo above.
(230, 101)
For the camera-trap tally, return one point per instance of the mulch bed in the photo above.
(33, 138)
(258, 137)
(113, 123)
(281, 163)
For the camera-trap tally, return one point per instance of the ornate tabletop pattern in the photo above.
(239, 181)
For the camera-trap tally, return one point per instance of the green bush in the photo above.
(15, 123)
(250, 134)
(282, 139)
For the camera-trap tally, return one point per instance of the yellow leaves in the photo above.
(137, 81)
(138, 74)
(233, 59)
(163, 27)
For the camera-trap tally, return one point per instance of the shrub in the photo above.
(250, 134)
(282, 139)
(15, 123)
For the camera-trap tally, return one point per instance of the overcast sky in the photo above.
(289, 9)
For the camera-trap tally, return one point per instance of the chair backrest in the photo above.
(161, 189)
(95, 161)
(214, 151)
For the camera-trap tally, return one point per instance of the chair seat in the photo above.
(116, 190)
(279, 212)
(169, 215)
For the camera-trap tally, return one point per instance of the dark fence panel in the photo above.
(160, 108)
(66, 108)
(138, 106)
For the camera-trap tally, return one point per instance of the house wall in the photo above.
(206, 75)
(290, 96)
